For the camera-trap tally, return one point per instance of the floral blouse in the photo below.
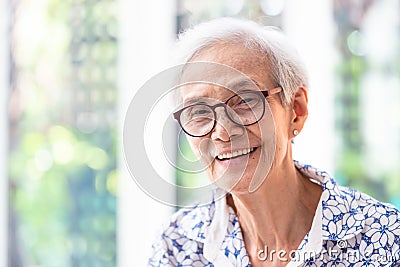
(349, 228)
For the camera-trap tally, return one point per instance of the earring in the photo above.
(295, 132)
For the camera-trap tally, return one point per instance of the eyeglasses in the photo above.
(244, 108)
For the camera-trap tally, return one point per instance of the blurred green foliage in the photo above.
(353, 150)
(65, 186)
(63, 178)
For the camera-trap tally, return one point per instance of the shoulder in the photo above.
(191, 222)
(181, 238)
(379, 239)
(346, 199)
(371, 208)
(354, 222)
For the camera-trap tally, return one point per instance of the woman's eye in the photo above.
(201, 114)
(247, 100)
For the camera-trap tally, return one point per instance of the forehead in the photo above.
(203, 90)
(223, 69)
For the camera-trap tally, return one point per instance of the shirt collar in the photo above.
(208, 224)
(342, 218)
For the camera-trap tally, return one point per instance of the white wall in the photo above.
(310, 26)
(4, 88)
(147, 29)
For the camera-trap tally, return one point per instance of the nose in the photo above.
(225, 129)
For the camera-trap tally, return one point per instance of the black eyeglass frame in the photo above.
(266, 93)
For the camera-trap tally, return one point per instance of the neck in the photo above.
(267, 216)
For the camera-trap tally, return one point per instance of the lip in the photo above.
(236, 159)
(233, 153)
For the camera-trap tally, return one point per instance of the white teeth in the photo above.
(235, 153)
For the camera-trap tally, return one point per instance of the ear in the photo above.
(300, 110)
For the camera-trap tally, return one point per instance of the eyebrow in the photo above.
(237, 85)
(195, 100)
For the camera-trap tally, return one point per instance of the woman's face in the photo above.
(239, 157)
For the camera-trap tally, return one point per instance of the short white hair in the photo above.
(286, 69)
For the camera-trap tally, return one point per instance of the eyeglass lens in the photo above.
(244, 109)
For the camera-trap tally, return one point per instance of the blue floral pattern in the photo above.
(351, 229)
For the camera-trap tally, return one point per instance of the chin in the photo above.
(228, 182)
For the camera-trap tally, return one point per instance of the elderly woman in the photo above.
(276, 212)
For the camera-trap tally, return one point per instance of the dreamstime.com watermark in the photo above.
(341, 254)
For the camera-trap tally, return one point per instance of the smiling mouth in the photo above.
(235, 154)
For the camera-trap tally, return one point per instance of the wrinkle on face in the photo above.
(246, 68)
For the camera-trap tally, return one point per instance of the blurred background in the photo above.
(69, 69)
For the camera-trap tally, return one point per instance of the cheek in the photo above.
(202, 147)
(266, 129)
(194, 144)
